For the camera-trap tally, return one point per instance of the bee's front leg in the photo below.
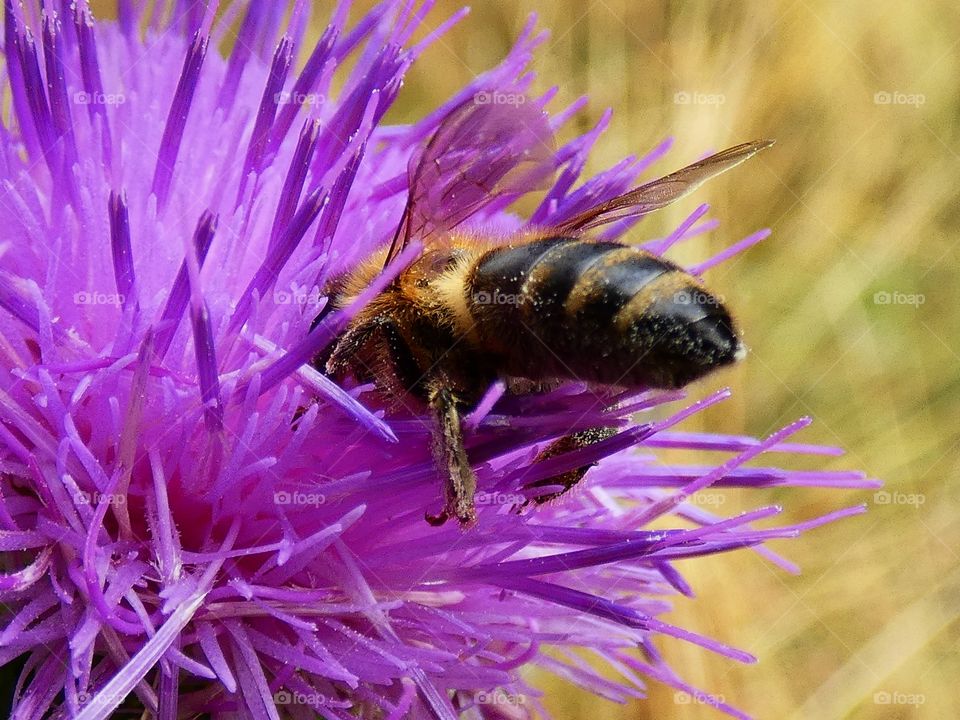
(566, 480)
(460, 483)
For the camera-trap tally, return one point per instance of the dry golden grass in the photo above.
(862, 199)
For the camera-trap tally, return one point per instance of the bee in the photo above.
(543, 305)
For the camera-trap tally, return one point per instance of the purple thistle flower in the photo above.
(194, 520)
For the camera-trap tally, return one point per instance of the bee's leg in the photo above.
(320, 360)
(460, 484)
(568, 479)
(339, 357)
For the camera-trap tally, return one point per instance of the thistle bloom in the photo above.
(195, 521)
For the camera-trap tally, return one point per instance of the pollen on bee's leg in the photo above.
(466, 511)
(459, 482)
(569, 479)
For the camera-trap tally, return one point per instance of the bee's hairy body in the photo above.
(540, 308)
(534, 309)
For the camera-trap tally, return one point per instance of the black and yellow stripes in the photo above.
(601, 312)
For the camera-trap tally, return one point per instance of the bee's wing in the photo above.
(479, 153)
(660, 193)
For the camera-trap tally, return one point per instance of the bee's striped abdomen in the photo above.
(610, 283)
(602, 312)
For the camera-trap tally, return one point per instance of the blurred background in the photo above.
(850, 310)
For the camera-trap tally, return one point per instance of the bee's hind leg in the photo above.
(460, 483)
(566, 480)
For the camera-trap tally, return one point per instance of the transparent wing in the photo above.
(481, 152)
(660, 193)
